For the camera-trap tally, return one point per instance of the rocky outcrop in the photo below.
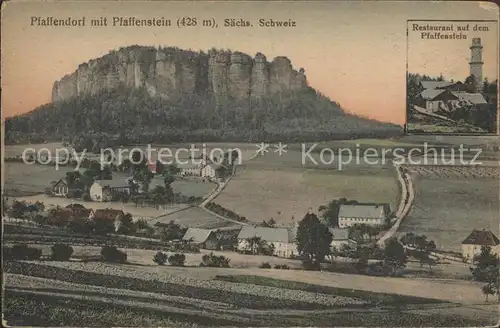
(170, 72)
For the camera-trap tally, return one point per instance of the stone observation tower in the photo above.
(476, 61)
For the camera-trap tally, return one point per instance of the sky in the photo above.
(353, 52)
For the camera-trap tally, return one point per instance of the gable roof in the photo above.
(61, 213)
(282, 235)
(436, 84)
(60, 181)
(197, 235)
(473, 98)
(82, 213)
(214, 166)
(481, 237)
(372, 211)
(430, 94)
(114, 183)
(107, 214)
(339, 234)
(188, 165)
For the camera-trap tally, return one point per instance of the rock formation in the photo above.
(168, 72)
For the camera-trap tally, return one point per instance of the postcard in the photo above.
(250, 163)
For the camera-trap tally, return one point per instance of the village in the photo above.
(354, 231)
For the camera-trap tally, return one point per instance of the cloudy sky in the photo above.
(353, 52)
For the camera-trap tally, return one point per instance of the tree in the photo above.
(330, 212)
(313, 239)
(159, 167)
(269, 224)
(160, 258)
(487, 266)
(177, 259)
(170, 231)
(394, 255)
(255, 243)
(61, 252)
(471, 84)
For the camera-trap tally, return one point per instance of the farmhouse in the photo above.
(59, 216)
(60, 188)
(108, 214)
(211, 171)
(105, 190)
(370, 214)
(471, 245)
(213, 239)
(189, 169)
(436, 99)
(340, 238)
(204, 238)
(447, 96)
(282, 239)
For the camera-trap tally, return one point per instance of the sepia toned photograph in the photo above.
(250, 164)
(452, 78)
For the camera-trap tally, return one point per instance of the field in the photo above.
(447, 208)
(282, 187)
(23, 179)
(93, 294)
(194, 217)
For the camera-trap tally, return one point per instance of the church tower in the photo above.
(476, 61)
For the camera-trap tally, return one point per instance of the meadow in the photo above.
(283, 187)
(449, 205)
(93, 294)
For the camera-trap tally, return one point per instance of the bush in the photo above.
(211, 260)
(112, 254)
(177, 260)
(23, 252)
(265, 265)
(61, 252)
(282, 266)
(160, 258)
(311, 265)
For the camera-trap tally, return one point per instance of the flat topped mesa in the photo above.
(168, 72)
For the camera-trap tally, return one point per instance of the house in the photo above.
(105, 190)
(107, 214)
(283, 239)
(213, 239)
(204, 238)
(370, 214)
(340, 237)
(471, 245)
(468, 99)
(59, 216)
(450, 86)
(435, 84)
(436, 99)
(60, 188)
(211, 171)
(189, 169)
(152, 167)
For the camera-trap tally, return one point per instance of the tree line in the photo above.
(127, 116)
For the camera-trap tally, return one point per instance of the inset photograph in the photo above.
(452, 77)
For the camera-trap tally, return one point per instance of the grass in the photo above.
(375, 299)
(193, 217)
(24, 179)
(447, 209)
(280, 188)
(27, 309)
(112, 281)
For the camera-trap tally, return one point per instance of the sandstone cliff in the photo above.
(169, 72)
